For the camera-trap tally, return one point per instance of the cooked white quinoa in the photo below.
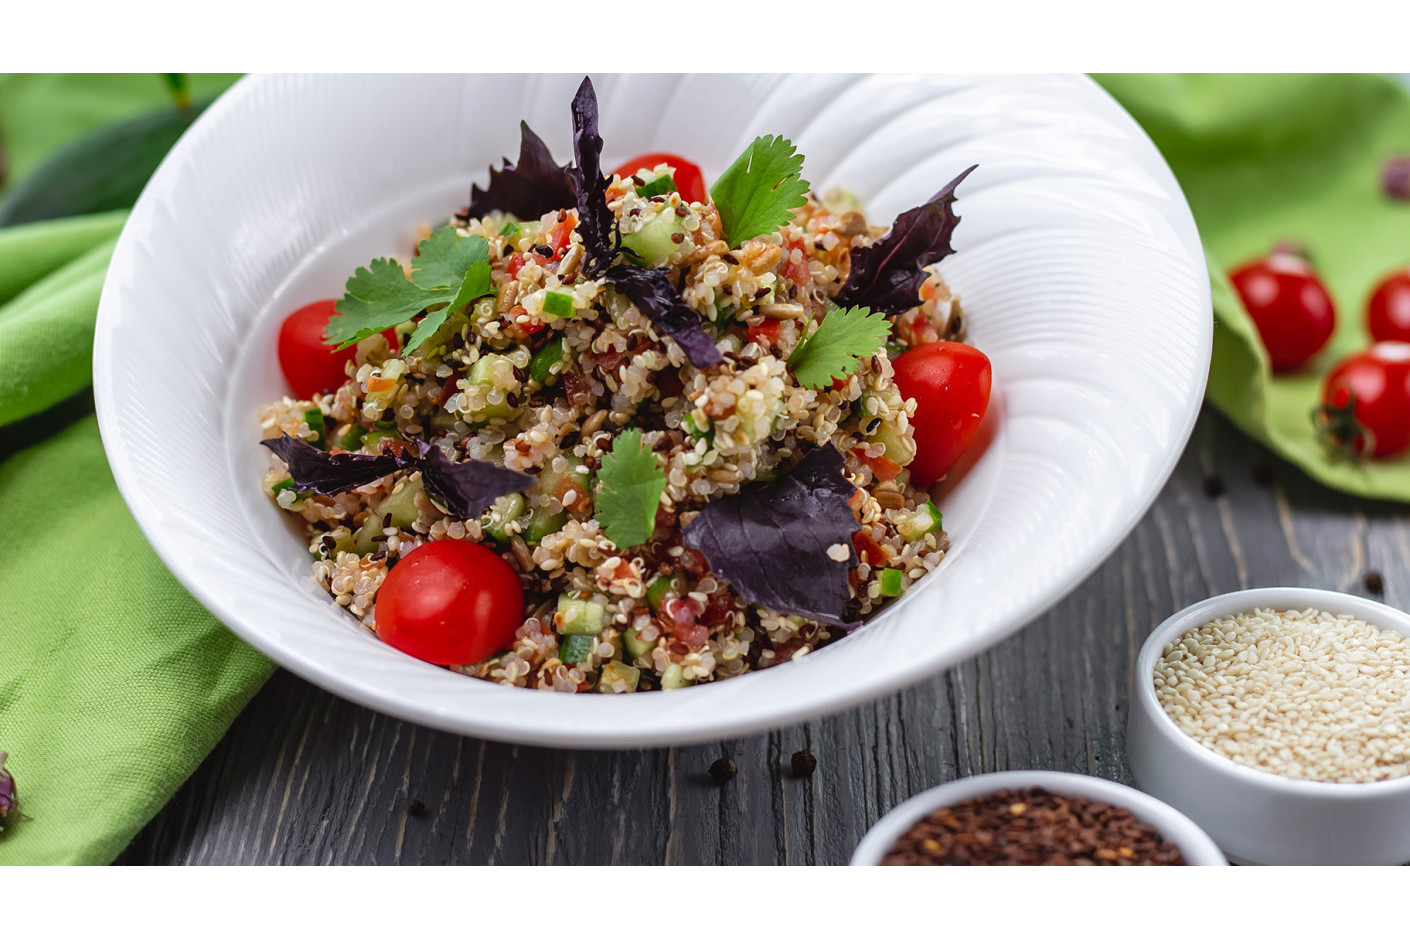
(621, 372)
(1303, 694)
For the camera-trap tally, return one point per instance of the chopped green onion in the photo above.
(286, 484)
(665, 183)
(656, 592)
(558, 304)
(575, 649)
(509, 229)
(314, 419)
(384, 425)
(891, 582)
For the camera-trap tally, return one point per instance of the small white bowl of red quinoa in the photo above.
(1035, 817)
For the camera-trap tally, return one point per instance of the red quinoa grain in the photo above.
(1032, 827)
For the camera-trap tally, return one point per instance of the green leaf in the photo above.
(377, 297)
(837, 346)
(449, 270)
(760, 190)
(629, 492)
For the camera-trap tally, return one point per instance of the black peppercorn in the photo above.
(723, 770)
(804, 763)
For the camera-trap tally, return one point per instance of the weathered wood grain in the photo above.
(304, 777)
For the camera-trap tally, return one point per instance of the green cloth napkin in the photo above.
(1267, 157)
(114, 682)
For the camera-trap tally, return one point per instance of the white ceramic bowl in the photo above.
(1197, 847)
(1256, 816)
(1081, 271)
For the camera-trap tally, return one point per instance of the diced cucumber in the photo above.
(542, 523)
(373, 441)
(314, 419)
(354, 438)
(655, 185)
(655, 241)
(635, 645)
(543, 368)
(363, 542)
(482, 374)
(656, 592)
(922, 522)
(575, 649)
(401, 504)
(674, 677)
(894, 348)
(557, 303)
(613, 672)
(557, 484)
(899, 449)
(891, 582)
(503, 511)
(579, 617)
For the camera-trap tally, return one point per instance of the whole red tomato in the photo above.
(690, 182)
(950, 383)
(1388, 312)
(450, 603)
(1366, 402)
(1289, 305)
(309, 364)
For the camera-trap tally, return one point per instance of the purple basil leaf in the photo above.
(526, 188)
(887, 274)
(9, 794)
(597, 226)
(317, 471)
(771, 540)
(654, 295)
(465, 487)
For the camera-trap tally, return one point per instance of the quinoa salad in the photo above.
(664, 423)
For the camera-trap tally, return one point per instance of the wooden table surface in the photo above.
(304, 777)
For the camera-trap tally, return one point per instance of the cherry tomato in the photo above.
(1388, 313)
(950, 383)
(1366, 402)
(310, 365)
(690, 182)
(450, 603)
(1292, 310)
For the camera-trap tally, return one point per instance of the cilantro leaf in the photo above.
(377, 297)
(630, 490)
(760, 190)
(449, 272)
(887, 274)
(835, 348)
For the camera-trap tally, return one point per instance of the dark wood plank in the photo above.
(304, 777)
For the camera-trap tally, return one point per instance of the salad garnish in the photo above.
(654, 294)
(631, 484)
(527, 188)
(465, 487)
(887, 274)
(596, 224)
(448, 273)
(760, 190)
(835, 349)
(786, 544)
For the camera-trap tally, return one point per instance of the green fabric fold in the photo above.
(114, 682)
(1268, 157)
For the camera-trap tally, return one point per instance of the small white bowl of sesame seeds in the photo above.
(1278, 719)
